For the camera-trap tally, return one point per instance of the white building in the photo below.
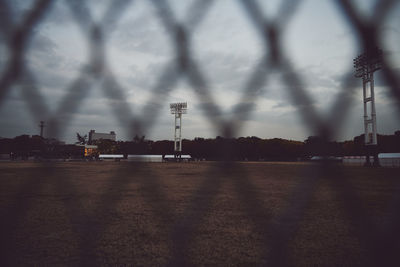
(93, 136)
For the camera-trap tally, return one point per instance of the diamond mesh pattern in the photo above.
(381, 244)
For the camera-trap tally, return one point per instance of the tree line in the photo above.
(242, 148)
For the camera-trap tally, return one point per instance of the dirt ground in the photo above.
(200, 213)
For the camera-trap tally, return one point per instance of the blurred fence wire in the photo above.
(381, 244)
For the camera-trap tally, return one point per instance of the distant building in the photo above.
(93, 136)
(90, 151)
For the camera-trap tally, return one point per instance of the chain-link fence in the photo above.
(381, 245)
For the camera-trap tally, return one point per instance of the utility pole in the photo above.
(41, 125)
(365, 65)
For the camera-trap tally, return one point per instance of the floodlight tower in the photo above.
(178, 109)
(365, 65)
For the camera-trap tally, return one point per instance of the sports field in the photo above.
(200, 213)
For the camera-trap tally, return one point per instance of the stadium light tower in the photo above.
(365, 65)
(178, 109)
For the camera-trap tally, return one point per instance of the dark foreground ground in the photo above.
(274, 214)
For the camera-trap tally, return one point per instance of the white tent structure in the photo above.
(389, 159)
(145, 158)
(109, 157)
(385, 160)
(182, 157)
(356, 160)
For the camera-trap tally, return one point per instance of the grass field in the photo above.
(201, 213)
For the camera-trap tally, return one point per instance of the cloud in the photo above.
(227, 52)
(226, 70)
(142, 33)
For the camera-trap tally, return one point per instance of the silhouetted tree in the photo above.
(82, 139)
(106, 146)
(219, 148)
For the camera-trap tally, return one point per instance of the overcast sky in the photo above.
(226, 46)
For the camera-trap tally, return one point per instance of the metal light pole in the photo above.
(178, 109)
(365, 65)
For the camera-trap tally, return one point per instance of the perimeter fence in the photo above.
(382, 244)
